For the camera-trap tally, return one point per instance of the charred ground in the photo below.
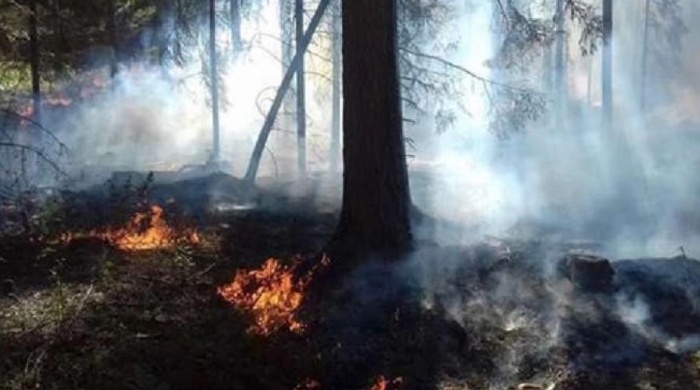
(83, 314)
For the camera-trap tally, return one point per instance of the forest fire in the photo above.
(156, 234)
(144, 231)
(272, 294)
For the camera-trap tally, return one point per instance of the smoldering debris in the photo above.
(538, 320)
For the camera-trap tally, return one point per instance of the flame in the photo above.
(384, 384)
(144, 231)
(272, 294)
(157, 234)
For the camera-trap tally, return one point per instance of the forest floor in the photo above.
(79, 312)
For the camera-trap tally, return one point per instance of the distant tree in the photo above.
(214, 85)
(607, 64)
(235, 23)
(560, 96)
(34, 59)
(113, 36)
(301, 89)
(336, 79)
(663, 20)
(286, 21)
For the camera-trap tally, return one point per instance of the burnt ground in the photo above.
(489, 316)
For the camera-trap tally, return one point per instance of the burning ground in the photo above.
(238, 308)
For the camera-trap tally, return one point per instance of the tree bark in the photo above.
(376, 199)
(336, 92)
(301, 90)
(214, 83)
(607, 64)
(281, 91)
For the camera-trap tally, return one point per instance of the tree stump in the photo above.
(588, 273)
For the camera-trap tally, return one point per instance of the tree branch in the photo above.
(466, 71)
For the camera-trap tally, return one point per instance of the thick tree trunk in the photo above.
(214, 84)
(337, 80)
(254, 164)
(301, 90)
(376, 198)
(560, 97)
(607, 63)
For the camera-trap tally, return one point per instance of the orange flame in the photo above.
(147, 231)
(384, 384)
(272, 294)
(144, 231)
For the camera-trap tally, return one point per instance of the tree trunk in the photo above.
(164, 10)
(336, 92)
(214, 83)
(560, 96)
(34, 60)
(376, 198)
(286, 10)
(281, 91)
(607, 64)
(236, 43)
(58, 38)
(301, 90)
(112, 32)
(645, 53)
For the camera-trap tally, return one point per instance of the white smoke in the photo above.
(631, 188)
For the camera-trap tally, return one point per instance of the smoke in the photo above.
(157, 116)
(630, 188)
